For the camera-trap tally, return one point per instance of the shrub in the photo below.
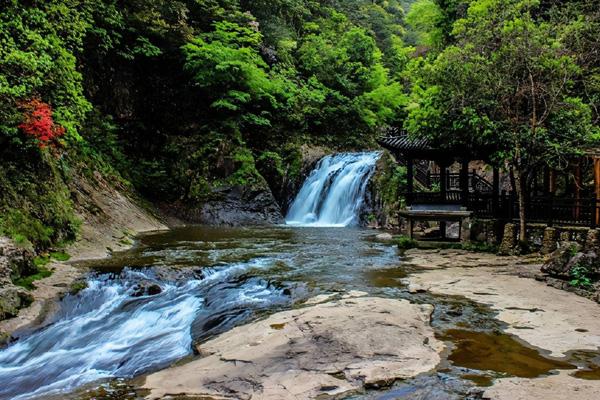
(405, 243)
(39, 124)
(580, 276)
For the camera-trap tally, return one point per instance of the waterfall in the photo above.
(334, 192)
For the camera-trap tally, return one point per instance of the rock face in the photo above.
(327, 349)
(14, 263)
(235, 206)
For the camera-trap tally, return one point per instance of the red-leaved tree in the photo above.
(38, 122)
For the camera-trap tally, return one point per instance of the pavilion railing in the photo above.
(543, 209)
(477, 183)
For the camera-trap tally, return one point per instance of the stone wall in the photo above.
(541, 238)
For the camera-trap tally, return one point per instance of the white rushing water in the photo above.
(333, 194)
(111, 330)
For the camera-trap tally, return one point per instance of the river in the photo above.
(147, 308)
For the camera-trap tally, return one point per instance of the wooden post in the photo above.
(443, 182)
(443, 176)
(546, 181)
(552, 182)
(495, 191)
(464, 182)
(577, 211)
(409, 180)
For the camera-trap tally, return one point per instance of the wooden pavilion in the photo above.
(438, 190)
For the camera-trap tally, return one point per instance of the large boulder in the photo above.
(328, 350)
(12, 299)
(15, 262)
(559, 262)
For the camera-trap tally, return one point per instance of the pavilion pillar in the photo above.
(443, 181)
(443, 190)
(546, 180)
(409, 180)
(552, 182)
(464, 182)
(495, 191)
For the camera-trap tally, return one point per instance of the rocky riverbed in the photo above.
(329, 349)
(275, 312)
(557, 323)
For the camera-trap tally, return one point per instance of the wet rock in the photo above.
(15, 262)
(5, 339)
(557, 264)
(234, 206)
(146, 288)
(314, 352)
(12, 299)
(384, 237)
(414, 288)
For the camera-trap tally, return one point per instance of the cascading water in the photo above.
(110, 329)
(334, 192)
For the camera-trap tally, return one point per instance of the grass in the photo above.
(40, 263)
(60, 256)
(27, 281)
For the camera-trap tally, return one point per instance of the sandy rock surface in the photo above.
(554, 387)
(331, 349)
(545, 317)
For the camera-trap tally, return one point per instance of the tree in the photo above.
(506, 84)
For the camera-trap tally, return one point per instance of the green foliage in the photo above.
(581, 276)
(390, 181)
(424, 19)
(60, 256)
(41, 272)
(182, 98)
(405, 243)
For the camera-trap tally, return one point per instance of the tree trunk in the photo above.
(520, 189)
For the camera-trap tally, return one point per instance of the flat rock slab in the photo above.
(545, 317)
(554, 387)
(329, 349)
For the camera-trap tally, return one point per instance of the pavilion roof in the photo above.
(401, 143)
(404, 143)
